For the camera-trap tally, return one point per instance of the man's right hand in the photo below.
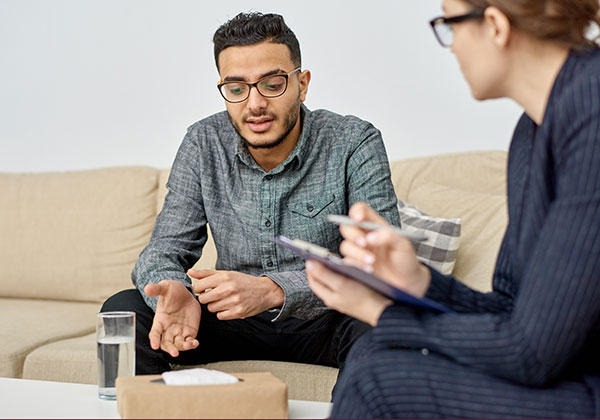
(176, 319)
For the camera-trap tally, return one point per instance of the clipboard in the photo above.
(307, 251)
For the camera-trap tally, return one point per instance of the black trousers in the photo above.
(325, 340)
(381, 382)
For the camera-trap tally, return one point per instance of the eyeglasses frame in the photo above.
(255, 85)
(475, 14)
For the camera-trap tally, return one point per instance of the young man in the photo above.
(266, 167)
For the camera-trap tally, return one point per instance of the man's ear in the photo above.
(498, 26)
(304, 79)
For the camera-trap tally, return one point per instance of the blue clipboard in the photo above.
(314, 252)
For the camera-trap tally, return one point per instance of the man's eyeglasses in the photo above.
(269, 87)
(442, 26)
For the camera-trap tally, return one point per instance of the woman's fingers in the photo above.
(356, 255)
(327, 285)
(323, 275)
(352, 250)
(318, 283)
(385, 237)
(362, 212)
(354, 234)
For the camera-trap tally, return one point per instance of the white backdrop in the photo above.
(93, 83)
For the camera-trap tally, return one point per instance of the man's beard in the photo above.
(290, 121)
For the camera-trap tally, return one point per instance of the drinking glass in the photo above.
(115, 335)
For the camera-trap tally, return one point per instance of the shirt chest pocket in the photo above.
(314, 206)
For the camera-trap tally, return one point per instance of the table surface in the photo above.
(24, 398)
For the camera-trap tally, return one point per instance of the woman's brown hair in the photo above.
(563, 21)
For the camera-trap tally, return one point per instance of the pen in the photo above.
(339, 219)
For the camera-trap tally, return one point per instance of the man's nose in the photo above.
(255, 100)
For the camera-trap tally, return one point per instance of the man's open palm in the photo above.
(177, 317)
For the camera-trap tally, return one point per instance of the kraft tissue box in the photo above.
(257, 395)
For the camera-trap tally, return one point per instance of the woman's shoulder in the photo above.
(577, 88)
(587, 59)
(575, 114)
(581, 76)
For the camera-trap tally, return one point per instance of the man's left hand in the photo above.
(235, 295)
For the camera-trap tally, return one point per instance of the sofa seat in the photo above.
(28, 324)
(72, 360)
(304, 381)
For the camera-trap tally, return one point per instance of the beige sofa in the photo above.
(69, 240)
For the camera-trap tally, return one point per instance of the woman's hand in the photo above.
(345, 295)
(383, 252)
(388, 255)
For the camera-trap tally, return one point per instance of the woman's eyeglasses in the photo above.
(442, 26)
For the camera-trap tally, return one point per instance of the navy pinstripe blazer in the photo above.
(541, 322)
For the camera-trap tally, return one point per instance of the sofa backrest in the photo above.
(74, 235)
(77, 235)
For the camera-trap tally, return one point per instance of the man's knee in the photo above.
(125, 300)
(363, 348)
(348, 331)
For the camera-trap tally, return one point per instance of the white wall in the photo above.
(92, 83)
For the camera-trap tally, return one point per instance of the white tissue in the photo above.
(198, 376)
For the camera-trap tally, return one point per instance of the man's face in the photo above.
(263, 122)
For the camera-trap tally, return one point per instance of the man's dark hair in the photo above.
(253, 28)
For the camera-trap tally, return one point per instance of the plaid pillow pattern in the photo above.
(439, 251)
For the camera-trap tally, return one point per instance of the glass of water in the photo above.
(115, 335)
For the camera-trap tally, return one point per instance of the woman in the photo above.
(531, 347)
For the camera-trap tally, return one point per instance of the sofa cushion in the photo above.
(443, 237)
(74, 235)
(70, 360)
(26, 324)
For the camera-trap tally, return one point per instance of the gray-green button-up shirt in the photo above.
(338, 161)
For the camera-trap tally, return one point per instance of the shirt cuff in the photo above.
(299, 301)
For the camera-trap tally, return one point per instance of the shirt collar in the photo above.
(299, 153)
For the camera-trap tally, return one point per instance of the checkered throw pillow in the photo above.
(440, 249)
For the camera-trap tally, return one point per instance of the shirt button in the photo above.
(310, 207)
(424, 351)
(268, 223)
(269, 177)
(269, 263)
